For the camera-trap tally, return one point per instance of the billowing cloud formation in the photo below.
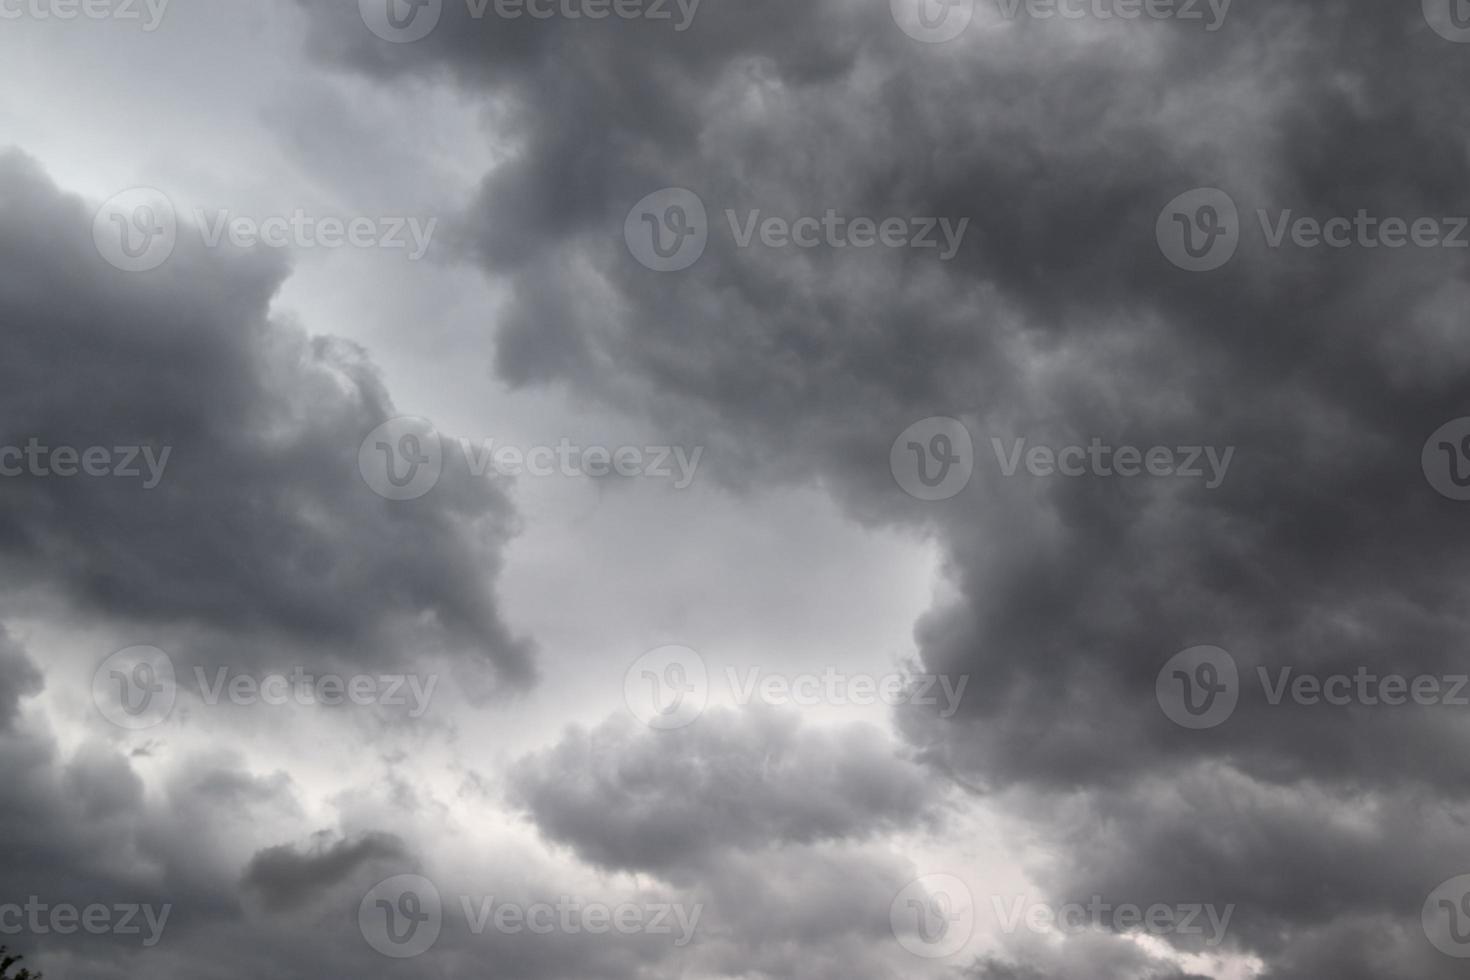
(260, 533)
(1059, 321)
(630, 798)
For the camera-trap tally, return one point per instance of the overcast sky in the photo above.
(647, 489)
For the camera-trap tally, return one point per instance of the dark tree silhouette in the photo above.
(7, 961)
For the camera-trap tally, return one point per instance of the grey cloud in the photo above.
(627, 797)
(1060, 320)
(285, 877)
(262, 530)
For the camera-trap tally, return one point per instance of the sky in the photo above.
(642, 489)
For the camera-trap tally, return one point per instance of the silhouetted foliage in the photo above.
(7, 961)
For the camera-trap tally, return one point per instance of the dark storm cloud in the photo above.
(1059, 321)
(285, 877)
(260, 527)
(627, 797)
(19, 678)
